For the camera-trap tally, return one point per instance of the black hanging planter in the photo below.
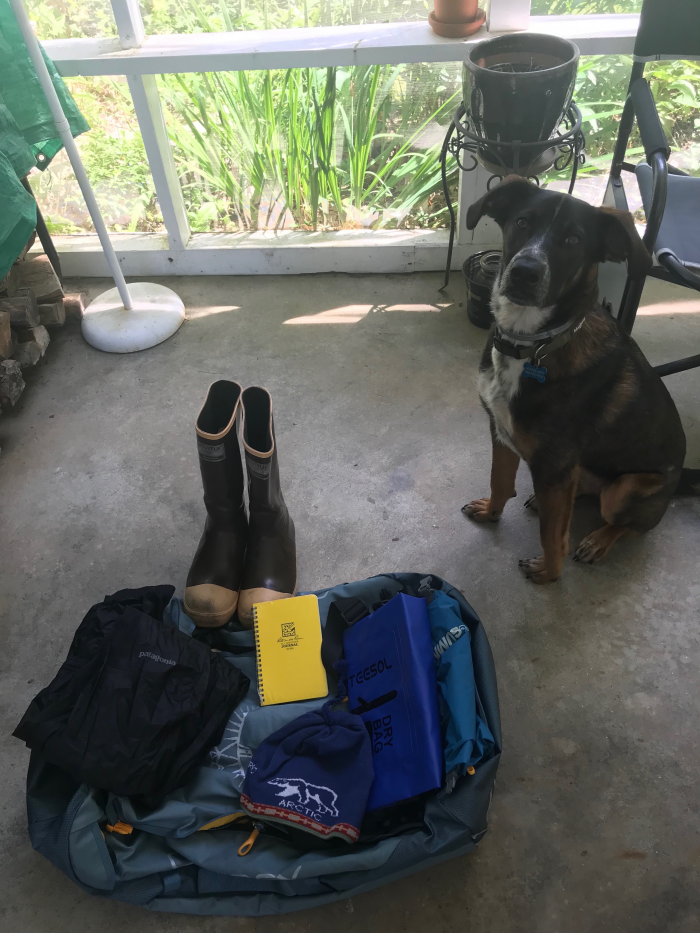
(518, 115)
(517, 89)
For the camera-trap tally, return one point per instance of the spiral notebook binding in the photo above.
(258, 662)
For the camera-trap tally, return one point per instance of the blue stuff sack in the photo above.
(467, 738)
(182, 856)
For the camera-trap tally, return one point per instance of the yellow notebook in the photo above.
(288, 648)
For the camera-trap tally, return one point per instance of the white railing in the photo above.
(139, 58)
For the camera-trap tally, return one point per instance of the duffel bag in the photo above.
(198, 853)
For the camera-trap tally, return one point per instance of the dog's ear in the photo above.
(500, 202)
(619, 240)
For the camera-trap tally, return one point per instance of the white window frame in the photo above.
(140, 57)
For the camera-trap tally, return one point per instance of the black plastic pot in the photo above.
(480, 271)
(518, 88)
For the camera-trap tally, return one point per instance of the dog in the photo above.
(564, 387)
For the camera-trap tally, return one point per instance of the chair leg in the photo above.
(45, 237)
(678, 366)
(630, 303)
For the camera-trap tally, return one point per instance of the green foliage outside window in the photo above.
(325, 148)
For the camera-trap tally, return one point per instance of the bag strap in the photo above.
(342, 614)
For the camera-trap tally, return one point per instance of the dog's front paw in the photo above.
(480, 510)
(535, 569)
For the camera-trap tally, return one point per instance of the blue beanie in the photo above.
(315, 772)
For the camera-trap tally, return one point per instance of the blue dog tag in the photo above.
(534, 372)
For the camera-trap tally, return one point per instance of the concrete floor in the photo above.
(594, 825)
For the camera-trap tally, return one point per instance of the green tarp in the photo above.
(27, 134)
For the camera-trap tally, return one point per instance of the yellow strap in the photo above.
(471, 769)
(223, 820)
(124, 829)
(248, 844)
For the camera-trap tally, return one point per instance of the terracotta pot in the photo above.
(455, 11)
(457, 30)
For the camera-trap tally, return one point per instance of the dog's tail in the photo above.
(689, 484)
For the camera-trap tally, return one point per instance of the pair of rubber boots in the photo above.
(241, 559)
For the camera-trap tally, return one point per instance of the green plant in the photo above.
(563, 7)
(115, 161)
(601, 89)
(71, 19)
(320, 148)
(307, 147)
(60, 226)
(360, 115)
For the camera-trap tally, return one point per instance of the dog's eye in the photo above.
(573, 240)
(521, 222)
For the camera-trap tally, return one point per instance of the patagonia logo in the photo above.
(261, 470)
(157, 657)
(449, 639)
(211, 452)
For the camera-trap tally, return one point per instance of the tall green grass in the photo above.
(306, 148)
(310, 148)
(324, 148)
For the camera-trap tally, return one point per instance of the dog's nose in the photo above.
(526, 272)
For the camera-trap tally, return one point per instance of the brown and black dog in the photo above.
(601, 422)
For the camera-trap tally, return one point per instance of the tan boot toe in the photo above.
(209, 605)
(248, 598)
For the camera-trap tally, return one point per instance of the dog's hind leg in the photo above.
(596, 545)
(504, 466)
(556, 503)
(633, 502)
(588, 485)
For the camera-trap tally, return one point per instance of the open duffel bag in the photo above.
(198, 853)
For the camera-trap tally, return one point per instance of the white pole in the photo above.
(70, 147)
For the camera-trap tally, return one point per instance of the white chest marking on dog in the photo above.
(499, 385)
(497, 388)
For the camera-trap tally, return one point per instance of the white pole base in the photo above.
(157, 314)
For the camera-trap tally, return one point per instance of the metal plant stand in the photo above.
(505, 158)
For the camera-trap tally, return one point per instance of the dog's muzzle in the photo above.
(526, 279)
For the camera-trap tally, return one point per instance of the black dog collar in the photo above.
(538, 345)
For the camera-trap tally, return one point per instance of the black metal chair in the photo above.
(668, 29)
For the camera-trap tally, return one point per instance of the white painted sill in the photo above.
(266, 253)
(382, 43)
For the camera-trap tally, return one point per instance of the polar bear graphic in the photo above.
(312, 796)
